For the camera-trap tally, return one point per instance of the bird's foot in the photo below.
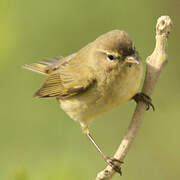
(114, 163)
(144, 98)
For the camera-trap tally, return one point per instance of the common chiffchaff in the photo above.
(99, 77)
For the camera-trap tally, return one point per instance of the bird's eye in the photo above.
(111, 57)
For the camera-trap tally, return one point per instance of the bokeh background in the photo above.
(38, 141)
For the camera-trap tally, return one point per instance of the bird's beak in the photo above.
(131, 60)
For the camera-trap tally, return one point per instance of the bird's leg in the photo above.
(144, 98)
(114, 163)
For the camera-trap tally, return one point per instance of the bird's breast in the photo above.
(94, 102)
(125, 86)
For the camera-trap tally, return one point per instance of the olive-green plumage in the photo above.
(99, 77)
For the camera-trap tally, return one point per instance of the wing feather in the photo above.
(68, 80)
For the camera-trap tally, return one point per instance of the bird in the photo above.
(99, 77)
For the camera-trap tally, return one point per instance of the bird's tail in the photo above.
(41, 66)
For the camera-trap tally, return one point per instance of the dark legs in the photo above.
(144, 98)
(114, 163)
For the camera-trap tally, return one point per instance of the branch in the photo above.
(154, 65)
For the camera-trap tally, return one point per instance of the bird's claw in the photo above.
(144, 98)
(114, 163)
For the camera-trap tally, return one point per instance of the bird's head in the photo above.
(114, 50)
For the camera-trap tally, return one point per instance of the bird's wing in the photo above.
(67, 80)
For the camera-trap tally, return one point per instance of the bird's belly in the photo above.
(89, 105)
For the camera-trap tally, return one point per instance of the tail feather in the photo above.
(41, 67)
(36, 67)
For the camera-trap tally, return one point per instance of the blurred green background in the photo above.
(38, 141)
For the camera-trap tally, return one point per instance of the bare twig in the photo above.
(154, 65)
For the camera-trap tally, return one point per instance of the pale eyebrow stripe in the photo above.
(108, 52)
